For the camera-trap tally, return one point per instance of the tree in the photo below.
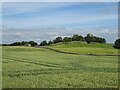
(16, 44)
(89, 38)
(58, 39)
(50, 42)
(101, 40)
(32, 43)
(77, 38)
(81, 38)
(67, 39)
(117, 43)
(4, 44)
(43, 43)
(24, 43)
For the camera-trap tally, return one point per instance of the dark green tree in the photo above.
(89, 38)
(77, 38)
(101, 40)
(32, 43)
(4, 44)
(58, 39)
(43, 43)
(24, 43)
(16, 44)
(117, 43)
(50, 42)
(67, 40)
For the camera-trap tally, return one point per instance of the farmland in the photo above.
(30, 67)
(84, 48)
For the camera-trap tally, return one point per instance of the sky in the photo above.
(38, 21)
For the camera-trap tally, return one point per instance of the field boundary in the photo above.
(72, 53)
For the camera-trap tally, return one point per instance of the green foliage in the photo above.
(67, 39)
(77, 38)
(43, 43)
(117, 43)
(16, 44)
(50, 42)
(29, 67)
(4, 44)
(58, 39)
(90, 39)
(23, 43)
(32, 43)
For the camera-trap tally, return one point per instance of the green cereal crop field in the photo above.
(84, 48)
(30, 67)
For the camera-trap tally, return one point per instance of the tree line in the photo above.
(23, 43)
(88, 39)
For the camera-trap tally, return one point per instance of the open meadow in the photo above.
(30, 67)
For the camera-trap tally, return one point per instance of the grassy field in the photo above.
(83, 48)
(29, 67)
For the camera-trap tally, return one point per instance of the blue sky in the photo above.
(46, 20)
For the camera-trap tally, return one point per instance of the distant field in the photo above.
(29, 67)
(83, 48)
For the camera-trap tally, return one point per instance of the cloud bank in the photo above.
(38, 35)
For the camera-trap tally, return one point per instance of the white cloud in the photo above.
(18, 33)
(38, 39)
(41, 34)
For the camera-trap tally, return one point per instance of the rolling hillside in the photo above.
(84, 48)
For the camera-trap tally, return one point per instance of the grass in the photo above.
(83, 48)
(29, 67)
